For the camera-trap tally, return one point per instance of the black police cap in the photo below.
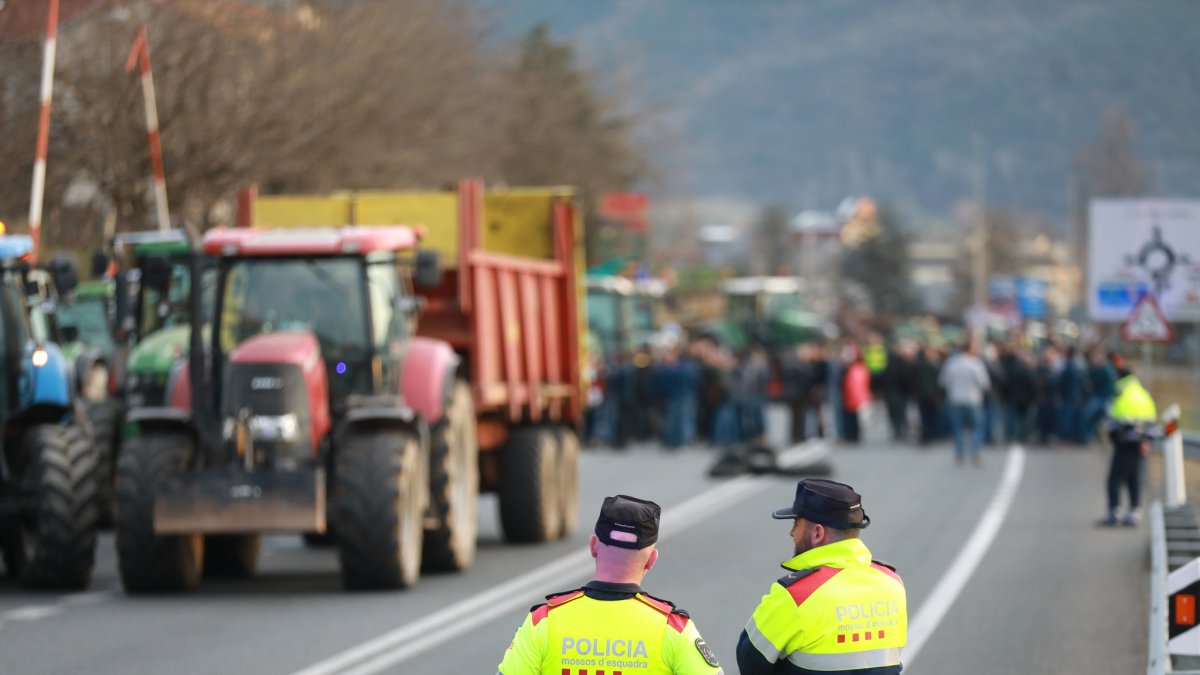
(827, 502)
(628, 522)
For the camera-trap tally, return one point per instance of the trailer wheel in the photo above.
(530, 506)
(453, 487)
(54, 545)
(104, 418)
(380, 493)
(568, 478)
(148, 562)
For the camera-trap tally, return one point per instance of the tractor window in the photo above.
(14, 333)
(321, 295)
(382, 288)
(90, 316)
(743, 308)
(173, 308)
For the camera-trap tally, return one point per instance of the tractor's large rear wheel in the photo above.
(381, 488)
(530, 496)
(149, 562)
(231, 555)
(105, 418)
(453, 487)
(54, 545)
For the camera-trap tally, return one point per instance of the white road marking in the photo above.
(405, 641)
(934, 609)
(31, 613)
(87, 599)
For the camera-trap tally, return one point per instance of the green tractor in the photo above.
(623, 315)
(769, 311)
(148, 303)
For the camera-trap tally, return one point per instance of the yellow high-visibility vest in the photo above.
(640, 634)
(1133, 403)
(837, 611)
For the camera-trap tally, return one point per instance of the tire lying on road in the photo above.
(381, 489)
(55, 544)
(453, 487)
(531, 507)
(148, 562)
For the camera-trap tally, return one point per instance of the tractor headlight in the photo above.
(275, 427)
(40, 357)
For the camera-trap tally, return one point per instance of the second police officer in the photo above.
(836, 610)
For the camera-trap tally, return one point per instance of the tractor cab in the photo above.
(153, 309)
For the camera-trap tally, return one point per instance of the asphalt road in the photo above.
(1005, 569)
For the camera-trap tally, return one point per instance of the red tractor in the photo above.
(308, 405)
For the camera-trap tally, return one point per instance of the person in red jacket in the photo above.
(856, 392)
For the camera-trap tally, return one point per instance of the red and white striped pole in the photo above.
(43, 138)
(140, 55)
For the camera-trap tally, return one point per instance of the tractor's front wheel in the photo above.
(54, 545)
(381, 488)
(149, 562)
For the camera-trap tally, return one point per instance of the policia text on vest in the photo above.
(837, 610)
(611, 626)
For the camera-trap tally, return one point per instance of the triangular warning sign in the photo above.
(1146, 323)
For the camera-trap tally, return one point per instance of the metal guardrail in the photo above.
(1158, 661)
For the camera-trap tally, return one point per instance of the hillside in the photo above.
(804, 102)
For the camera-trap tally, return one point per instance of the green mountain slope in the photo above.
(805, 102)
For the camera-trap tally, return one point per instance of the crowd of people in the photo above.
(701, 392)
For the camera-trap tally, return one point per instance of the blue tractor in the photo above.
(48, 486)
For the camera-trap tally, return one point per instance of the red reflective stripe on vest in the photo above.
(542, 611)
(559, 600)
(808, 585)
(888, 571)
(674, 620)
(677, 621)
(656, 604)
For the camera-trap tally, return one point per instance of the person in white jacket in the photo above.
(964, 378)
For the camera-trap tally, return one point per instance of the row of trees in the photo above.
(313, 96)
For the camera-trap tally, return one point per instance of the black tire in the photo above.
(530, 506)
(148, 562)
(453, 488)
(55, 543)
(105, 417)
(233, 556)
(324, 539)
(568, 479)
(381, 488)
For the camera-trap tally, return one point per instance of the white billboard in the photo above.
(1138, 246)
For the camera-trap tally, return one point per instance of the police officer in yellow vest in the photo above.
(611, 625)
(1131, 416)
(837, 610)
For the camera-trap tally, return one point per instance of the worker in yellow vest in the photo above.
(1131, 420)
(875, 358)
(611, 625)
(836, 610)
